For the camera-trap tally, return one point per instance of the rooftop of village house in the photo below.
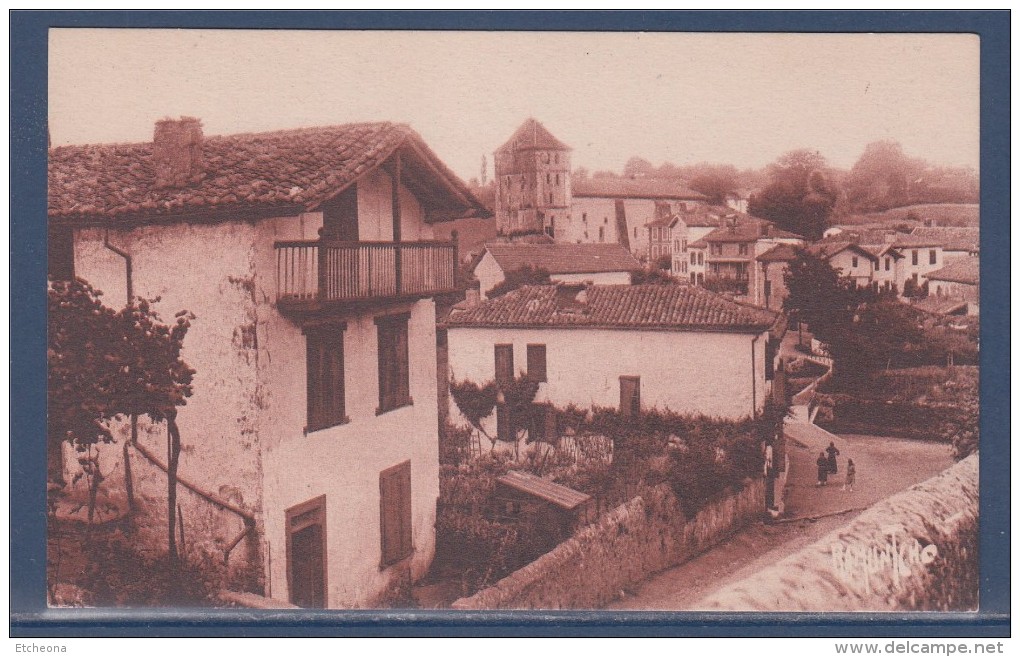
(279, 173)
(563, 258)
(638, 307)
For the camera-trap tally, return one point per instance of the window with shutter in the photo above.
(630, 396)
(306, 553)
(60, 246)
(394, 370)
(395, 513)
(536, 362)
(324, 357)
(504, 363)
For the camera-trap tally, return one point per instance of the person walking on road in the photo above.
(823, 469)
(833, 453)
(851, 475)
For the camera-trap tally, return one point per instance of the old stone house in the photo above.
(635, 347)
(308, 258)
(959, 280)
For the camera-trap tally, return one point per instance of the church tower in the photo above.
(532, 182)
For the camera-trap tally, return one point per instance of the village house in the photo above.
(730, 254)
(602, 264)
(956, 241)
(959, 280)
(620, 209)
(772, 266)
(308, 258)
(676, 347)
(536, 194)
(667, 239)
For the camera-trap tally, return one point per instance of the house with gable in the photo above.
(676, 347)
(601, 264)
(310, 461)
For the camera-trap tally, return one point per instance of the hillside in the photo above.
(942, 214)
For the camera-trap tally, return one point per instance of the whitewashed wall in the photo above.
(687, 372)
(243, 430)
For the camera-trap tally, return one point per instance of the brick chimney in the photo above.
(177, 151)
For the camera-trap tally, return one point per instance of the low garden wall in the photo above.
(915, 551)
(643, 536)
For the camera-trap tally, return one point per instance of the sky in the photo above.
(741, 99)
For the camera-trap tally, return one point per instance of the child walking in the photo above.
(851, 474)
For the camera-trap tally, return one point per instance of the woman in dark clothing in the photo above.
(833, 453)
(823, 469)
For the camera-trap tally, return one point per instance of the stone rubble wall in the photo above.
(916, 550)
(643, 536)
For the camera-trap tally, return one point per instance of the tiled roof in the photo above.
(532, 135)
(563, 258)
(661, 222)
(748, 232)
(717, 216)
(651, 188)
(287, 171)
(827, 249)
(962, 270)
(779, 253)
(634, 307)
(951, 238)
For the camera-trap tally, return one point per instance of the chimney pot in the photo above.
(177, 151)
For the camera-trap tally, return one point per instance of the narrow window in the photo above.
(770, 358)
(694, 259)
(932, 257)
(324, 357)
(635, 232)
(584, 217)
(557, 179)
(536, 362)
(853, 262)
(548, 179)
(693, 279)
(887, 262)
(395, 513)
(394, 371)
(504, 363)
(701, 257)
(630, 396)
(743, 249)
(913, 257)
(602, 234)
(306, 553)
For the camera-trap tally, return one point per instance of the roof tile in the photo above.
(640, 307)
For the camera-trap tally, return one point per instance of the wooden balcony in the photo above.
(319, 275)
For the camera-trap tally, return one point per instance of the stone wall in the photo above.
(641, 537)
(917, 550)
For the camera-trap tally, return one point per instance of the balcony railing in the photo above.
(310, 273)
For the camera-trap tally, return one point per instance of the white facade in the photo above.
(244, 429)
(696, 372)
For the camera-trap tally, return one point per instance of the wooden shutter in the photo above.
(630, 396)
(770, 359)
(504, 363)
(306, 553)
(394, 367)
(324, 350)
(395, 513)
(536, 362)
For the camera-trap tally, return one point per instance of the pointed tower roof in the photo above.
(532, 135)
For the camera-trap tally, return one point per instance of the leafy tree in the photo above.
(715, 182)
(654, 276)
(800, 195)
(882, 178)
(104, 365)
(638, 167)
(518, 278)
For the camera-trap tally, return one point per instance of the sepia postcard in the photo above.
(455, 320)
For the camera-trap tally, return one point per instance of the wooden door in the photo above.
(630, 396)
(306, 554)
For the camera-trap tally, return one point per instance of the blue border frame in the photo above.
(29, 616)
